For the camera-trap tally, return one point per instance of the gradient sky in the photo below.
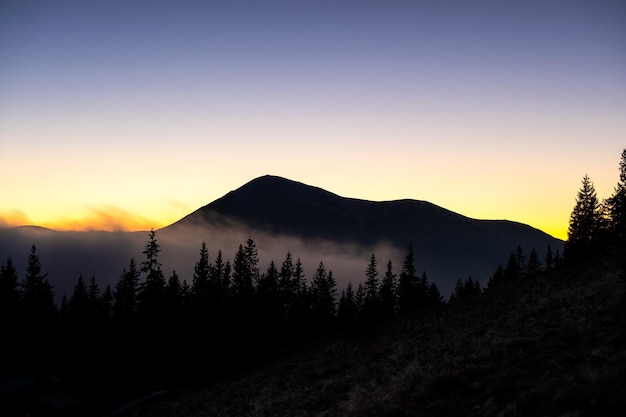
(131, 114)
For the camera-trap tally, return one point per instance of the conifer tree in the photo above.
(512, 270)
(78, 305)
(243, 276)
(533, 267)
(434, 296)
(301, 305)
(617, 206)
(218, 281)
(200, 280)
(407, 283)
(584, 224)
(371, 302)
(458, 293)
(269, 301)
(549, 259)
(388, 292)
(152, 290)
(323, 290)
(10, 296)
(125, 294)
(496, 278)
(521, 261)
(37, 292)
(287, 285)
(347, 311)
(107, 302)
(174, 298)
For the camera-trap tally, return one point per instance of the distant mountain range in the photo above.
(275, 211)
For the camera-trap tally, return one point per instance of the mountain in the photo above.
(447, 245)
(281, 215)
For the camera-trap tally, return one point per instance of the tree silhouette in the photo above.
(388, 292)
(10, 296)
(152, 290)
(371, 301)
(125, 294)
(200, 283)
(584, 223)
(10, 301)
(347, 311)
(38, 296)
(617, 206)
(407, 283)
(323, 290)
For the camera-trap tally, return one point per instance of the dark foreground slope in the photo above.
(554, 346)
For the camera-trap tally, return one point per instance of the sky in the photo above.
(128, 115)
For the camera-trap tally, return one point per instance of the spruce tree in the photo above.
(533, 267)
(200, 283)
(388, 292)
(125, 294)
(38, 296)
(407, 283)
(371, 301)
(152, 290)
(584, 224)
(347, 311)
(10, 296)
(617, 206)
(10, 302)
(323, 289)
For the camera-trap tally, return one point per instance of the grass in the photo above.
(552, 346)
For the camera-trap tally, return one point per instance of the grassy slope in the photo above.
(554, 346)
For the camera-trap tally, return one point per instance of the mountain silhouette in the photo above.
(276, 205)
(441, 238)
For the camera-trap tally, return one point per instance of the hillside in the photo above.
(553, 346)
(448, 245)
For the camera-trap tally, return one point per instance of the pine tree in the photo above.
(152, 291)
(270, 305)
(434, 296)
(549, 259)
(371, 301)
(347, 311)
(125, 294)
(37, 292)
(174, 298)
(497, 277)
(407, 283)
(616, 205)
(533, 267)
(323, 290)
(200, 284)
(388, 292)
(10, 302)
(10, 296)
(287, 285)
(243, 277)
(79, 303)
(584, 224)
(512, 270)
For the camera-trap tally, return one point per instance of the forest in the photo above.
(230, 316)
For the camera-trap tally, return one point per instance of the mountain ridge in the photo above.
(278, 205)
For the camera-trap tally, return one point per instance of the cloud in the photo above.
(108, 218)
(13, 218)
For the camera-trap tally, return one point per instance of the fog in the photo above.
(65, 256)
